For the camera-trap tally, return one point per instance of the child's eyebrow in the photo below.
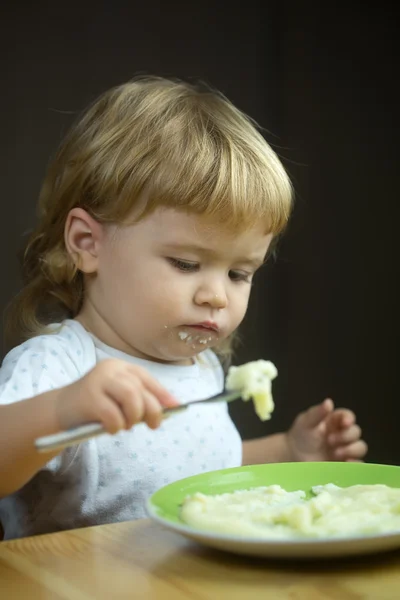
(254, 262)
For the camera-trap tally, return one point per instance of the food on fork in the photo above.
(254, 380)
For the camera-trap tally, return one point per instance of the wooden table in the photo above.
(142, 560)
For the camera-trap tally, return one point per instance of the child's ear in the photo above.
(83, 236)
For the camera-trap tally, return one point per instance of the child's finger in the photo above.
(316, 414)
(340, 419)
(127, 393)
(111, 416)
(153, 410)
(153, 386)
(345, 436)
(357, 451)
(347, 417)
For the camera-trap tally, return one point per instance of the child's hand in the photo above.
(115, 393)
(324, 434)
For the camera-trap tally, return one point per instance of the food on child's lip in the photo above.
(254, 380)
(186, 337)
(272, 512)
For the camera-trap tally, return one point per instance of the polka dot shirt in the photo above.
(109, 478)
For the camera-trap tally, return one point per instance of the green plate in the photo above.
(164, 506)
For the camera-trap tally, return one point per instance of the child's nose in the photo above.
(216, 298)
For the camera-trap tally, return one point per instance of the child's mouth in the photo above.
(203, 333)
(206, 326)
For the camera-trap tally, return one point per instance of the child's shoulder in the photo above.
(66, 338)
(64, 353)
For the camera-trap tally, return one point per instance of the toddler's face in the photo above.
(172, 285)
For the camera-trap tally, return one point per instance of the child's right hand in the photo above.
(115, 393)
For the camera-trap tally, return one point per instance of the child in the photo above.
(155, 214)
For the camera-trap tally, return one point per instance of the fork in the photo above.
(71, 437)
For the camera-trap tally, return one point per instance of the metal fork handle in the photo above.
(71, 437)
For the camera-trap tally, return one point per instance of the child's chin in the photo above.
(189, 353)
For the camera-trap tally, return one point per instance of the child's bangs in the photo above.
(235, 188)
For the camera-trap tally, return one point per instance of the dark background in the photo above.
(322, 82)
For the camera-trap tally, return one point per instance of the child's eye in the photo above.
(240, 276)
(184, 265)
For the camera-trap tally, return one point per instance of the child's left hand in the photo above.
(323, 433)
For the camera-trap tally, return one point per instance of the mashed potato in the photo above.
(273, 513)
(253, 380)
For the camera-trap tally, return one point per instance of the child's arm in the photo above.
(115, 393)
(20, 424)
(319, 434)
(269, 449)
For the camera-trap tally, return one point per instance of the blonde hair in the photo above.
(175, 144)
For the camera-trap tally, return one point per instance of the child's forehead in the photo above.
(172, 229)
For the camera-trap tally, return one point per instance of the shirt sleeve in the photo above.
(39, 365)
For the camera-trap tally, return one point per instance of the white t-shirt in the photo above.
(109, 478)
